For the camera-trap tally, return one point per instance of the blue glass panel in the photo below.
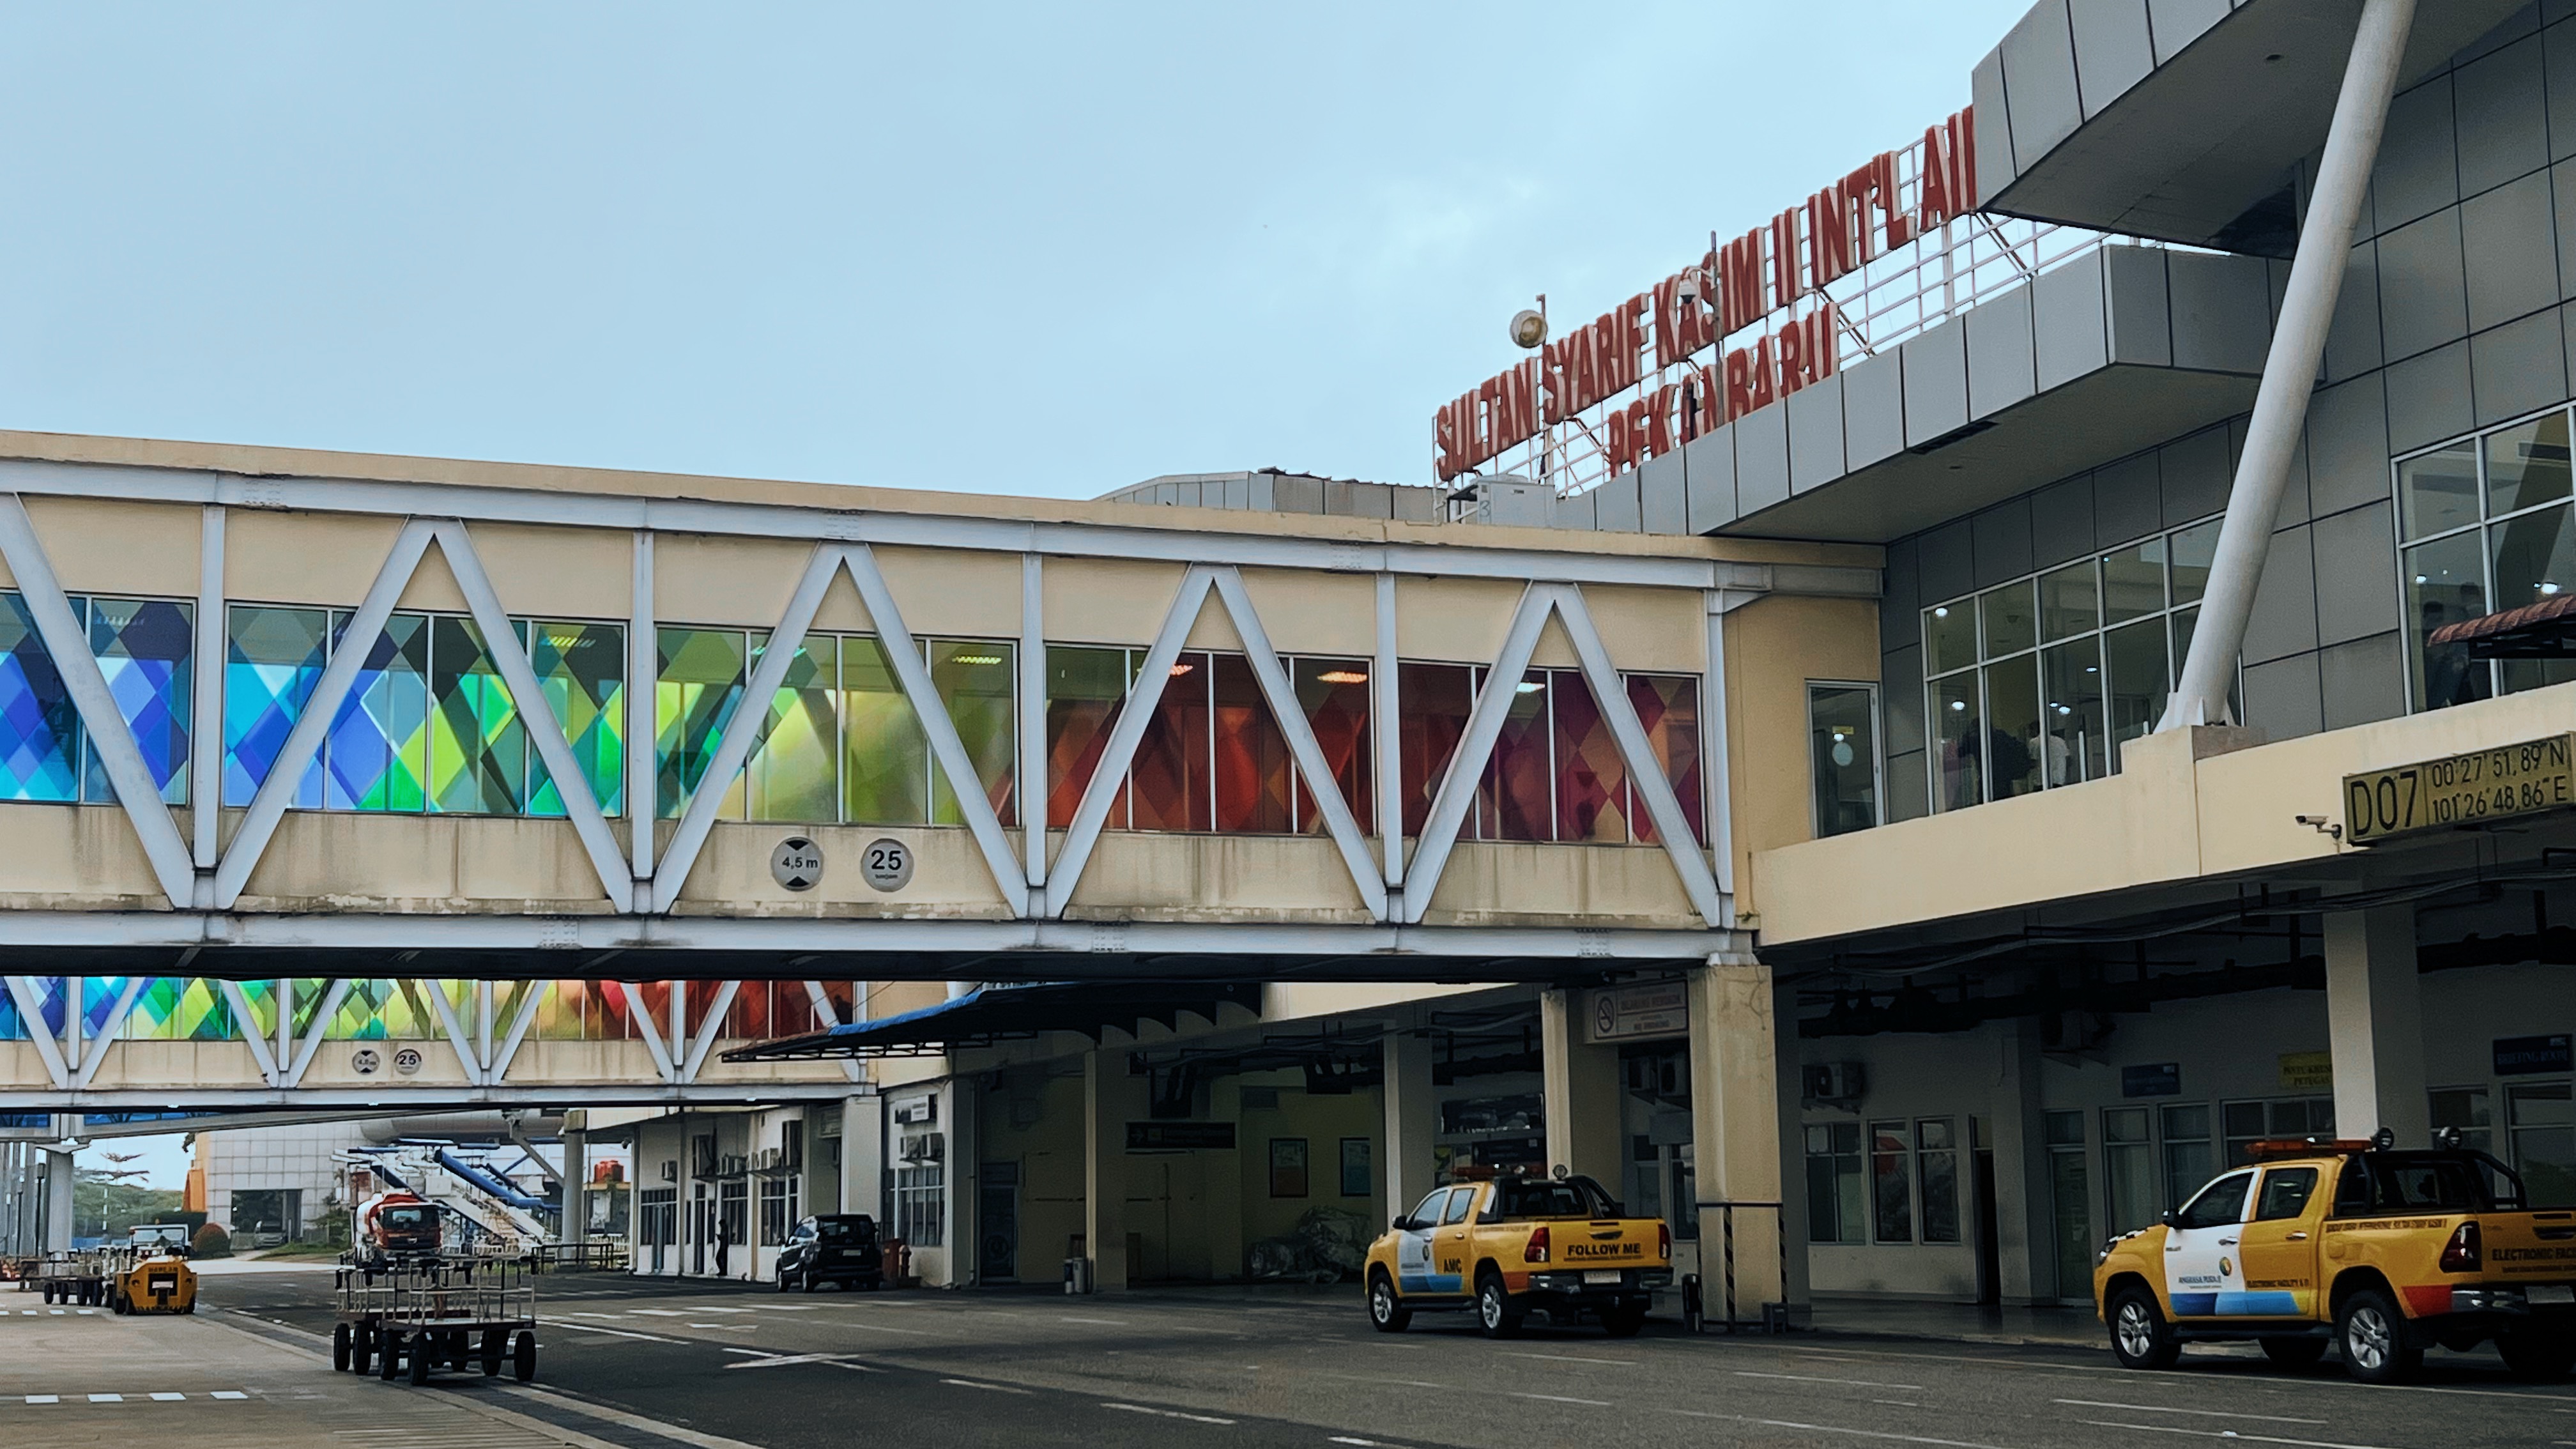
(145, 648)
(39, 730)
(378, 750)
(273, 659)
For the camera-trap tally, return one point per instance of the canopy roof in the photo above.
(990, 1014)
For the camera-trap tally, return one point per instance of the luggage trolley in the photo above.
(421, 1315)
(79, 1278)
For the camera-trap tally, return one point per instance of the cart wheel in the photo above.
(340, 1348)
(424, 1357)
(362, 1349)
(523, 1356)
(460, 1350)
(495, 1344)
(391, 1343)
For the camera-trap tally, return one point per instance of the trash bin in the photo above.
(1077, 1275)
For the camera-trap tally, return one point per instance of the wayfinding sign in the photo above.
(2471, 789)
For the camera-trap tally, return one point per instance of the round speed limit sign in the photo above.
(887, 864)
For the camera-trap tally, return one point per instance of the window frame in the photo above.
(1877, 753)
(2481, 528)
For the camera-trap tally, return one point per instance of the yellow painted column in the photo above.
(1110, 1100)
(1581, 1082)
(1736, 1064)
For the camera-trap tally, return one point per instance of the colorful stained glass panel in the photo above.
(581, 669)
(273, 658)
(1335, 695)
(700, 684)
(975, 678)
(1251, 768)
(378, 750)
(145, 648)
(478, 749)
(39, 729)
(885, 757)
(794, 767)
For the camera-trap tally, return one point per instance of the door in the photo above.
(997, 1223)
(701, 1227)
(2280, 1249)
(2202, 1248)
(2070, 1192)
(1449, 1246)
(1413, 1247)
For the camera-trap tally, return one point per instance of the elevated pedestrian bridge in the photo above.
(340, 727)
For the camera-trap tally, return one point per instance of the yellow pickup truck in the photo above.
(2378, 1253)
(1511, 1244)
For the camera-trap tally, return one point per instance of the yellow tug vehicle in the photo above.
(151, 1280)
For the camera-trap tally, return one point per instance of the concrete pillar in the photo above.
(1581, 1083)
(1110, 1098)
(57, 1208)
(1737, 1139)
(576, 1177)
(2375, 1025)
(863, 1158)
(2025, 1255)
(964, 1178)
(1412, 1119)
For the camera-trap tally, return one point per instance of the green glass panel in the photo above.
(885, 758)
(974, 680)
(701, 681)
(581, 669)
(792, 767)
(478, 749)
(376, 756)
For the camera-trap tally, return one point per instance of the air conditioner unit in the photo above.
(670, 1172)
(918, 1147)
(767, 1160)
(1835, 1082)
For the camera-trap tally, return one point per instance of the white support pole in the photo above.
(483, 1022)
(1386, 731)
(246, 1026)
(466, 1057)
(75, 1008)
(679, 1026)
(643, 688)
(649, 1031)
(1716, 771)
(708, 1028)
(1467, 765)
(1290, 718)
(348, 660)
(830, 1015)
(206, 725)
(106, 1033)
(520, 1021)
(111, 739)
(314, 1034)
(1646, 770)
(2290, 370)
(31, 1009)
(285, 1020)
(1032, 713)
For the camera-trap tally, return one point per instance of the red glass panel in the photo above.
(1668, 706)
(1591, 778)
(1517, 801)
(1435, 700)
(749, 1015)
(608, 1017)
(1335, 695)
(844, 996)
(1169, 787)
(791, 1010)
(1252, 769)
(1085, 687)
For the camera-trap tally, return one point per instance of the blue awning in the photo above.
(991, 1014)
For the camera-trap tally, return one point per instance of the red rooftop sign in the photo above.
(1739, 286)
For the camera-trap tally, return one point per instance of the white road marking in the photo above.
(1570, 1358)
(107, 1398)
(1373, 1379)
(1812, 1379)
(613, 1332)
(659, 1312)
(2195, 1413)
(882, 1328)
(1831, 1429)
(44, 1398)
(722, 1310)
(1347, 1439)
(1167, 1413)
(1898, 1403)
(730, 1327)
(2223, 1434)
(972, 1384)
(1103, 1322)
(1562, 1399)
(169, 1398)
(230, 1394)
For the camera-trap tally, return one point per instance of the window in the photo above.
(2286, 1191)
(1936, 1167)
(921, 1204)
(841, 741)
(2128, 1169)
(2485, 526)
(1427, 1212)
(2187, 1159)
(778, 1209)
(1842, 741)
(2250, 1122)
(2468, 1109)
(2034, 684)
(658, 1225)
(2070, 1196)
(2542, 1125)
(1890, 1183)
(2219, 1203)
(1460, 1200)
(145, 648)
(1834, 1183)
(733, 1211)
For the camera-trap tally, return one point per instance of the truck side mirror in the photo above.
(2170, 1218)
(1404, 1223)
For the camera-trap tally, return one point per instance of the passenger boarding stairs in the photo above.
(501, 1219)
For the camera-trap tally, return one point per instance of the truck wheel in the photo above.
(423, 1356)
(2295, 1353)
(1387, 1313)
(786, 1281)
(2539, 1356)
(1496, 1313)
(2140, 1337)
(2372, 1334)
(1622, 1320)
(523, 1357)
(362, 1349)
(340, 1348)
(391, 1341)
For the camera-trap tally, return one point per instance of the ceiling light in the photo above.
(1528, 686)
(974, 658)
(1342, 676)
(1180, 669)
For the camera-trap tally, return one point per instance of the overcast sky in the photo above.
(1052, 250)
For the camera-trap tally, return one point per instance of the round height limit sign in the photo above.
(797, 864)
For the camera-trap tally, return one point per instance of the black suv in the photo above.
(834, 1248)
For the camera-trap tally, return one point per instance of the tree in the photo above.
(108, 1201)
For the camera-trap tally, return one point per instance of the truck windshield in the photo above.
(843, 1230)
(1573, 1197)
(404, 1219)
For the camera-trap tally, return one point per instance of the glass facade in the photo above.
(2036, 683)
(144, 650)
(187, 1008)
(2484, 525)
